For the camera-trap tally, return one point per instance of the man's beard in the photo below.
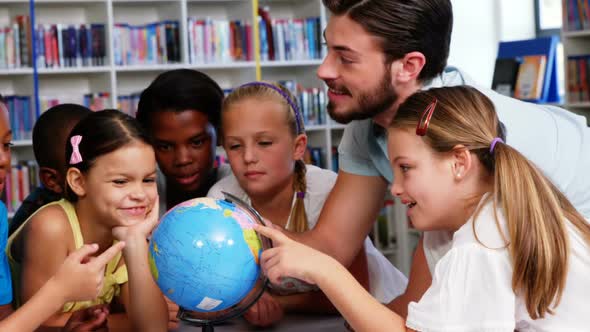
(370, 103)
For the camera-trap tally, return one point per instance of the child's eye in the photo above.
(8, 145)
(404, 168)
(234, 146)
(198, 142)
(163, 147)
(265, 143)
(119, 181)
(149, 180)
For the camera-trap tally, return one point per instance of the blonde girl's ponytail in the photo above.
(537, 213)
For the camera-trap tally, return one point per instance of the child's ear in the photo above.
(462, 162)
(51, 179)
(300, 147)
(75, 180)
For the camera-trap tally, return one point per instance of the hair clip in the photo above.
(76, 156)
(425, 118)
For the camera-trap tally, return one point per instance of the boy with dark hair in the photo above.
(181, 111)
(49, 146)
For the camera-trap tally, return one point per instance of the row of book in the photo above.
(15, 44)
(311, 102)
(22, 116)
(219, 41)
(577, 14)
(578, 85)
(67, 45)
(289, 39)
(155, 43)
(95, 101)
(520, 77)
(128, 103)
(20, 182)
(315, 156)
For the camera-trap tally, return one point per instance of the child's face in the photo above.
(423, 180)
(260, 147)
(185, 147)
(6, 137)
(122, 184)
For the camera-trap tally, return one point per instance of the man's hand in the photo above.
(265, 312)
(89, 319)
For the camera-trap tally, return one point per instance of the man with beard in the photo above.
(379, 53)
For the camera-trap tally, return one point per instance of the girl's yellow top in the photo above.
(113, 278)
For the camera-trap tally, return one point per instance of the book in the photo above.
(531, 74)
(505, 73)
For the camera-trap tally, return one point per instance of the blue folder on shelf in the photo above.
(540, 46)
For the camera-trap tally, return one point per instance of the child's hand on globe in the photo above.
(284, 259)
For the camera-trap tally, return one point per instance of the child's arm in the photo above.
(45, 247)
(267, 313)
(357, 306)
(143, 300)
(77, 279)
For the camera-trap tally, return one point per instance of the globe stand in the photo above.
(208, 328)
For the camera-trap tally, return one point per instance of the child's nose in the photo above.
(396, 189)
(250, 155)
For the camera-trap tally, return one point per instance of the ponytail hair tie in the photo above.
(301, 194)
(494, 142)
(76, 156)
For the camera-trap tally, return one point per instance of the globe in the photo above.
(204, 256)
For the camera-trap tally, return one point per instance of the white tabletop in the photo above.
(291, 323)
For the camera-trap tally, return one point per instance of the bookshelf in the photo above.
(69, 84)
(575, 36)
(115, 80)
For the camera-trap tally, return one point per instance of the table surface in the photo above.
(291, 323)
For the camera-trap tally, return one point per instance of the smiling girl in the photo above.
(111, 196)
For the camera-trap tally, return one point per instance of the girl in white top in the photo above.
(520, 253)
(264, 138)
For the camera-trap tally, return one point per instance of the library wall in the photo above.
(474, 43)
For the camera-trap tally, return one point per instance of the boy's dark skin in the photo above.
(185, 149)
(181, 111)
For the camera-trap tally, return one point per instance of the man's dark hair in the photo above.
(49, 136)
(180, 90)
(2, 99)
(404, 26)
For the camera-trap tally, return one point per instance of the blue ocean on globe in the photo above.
(204, 254)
